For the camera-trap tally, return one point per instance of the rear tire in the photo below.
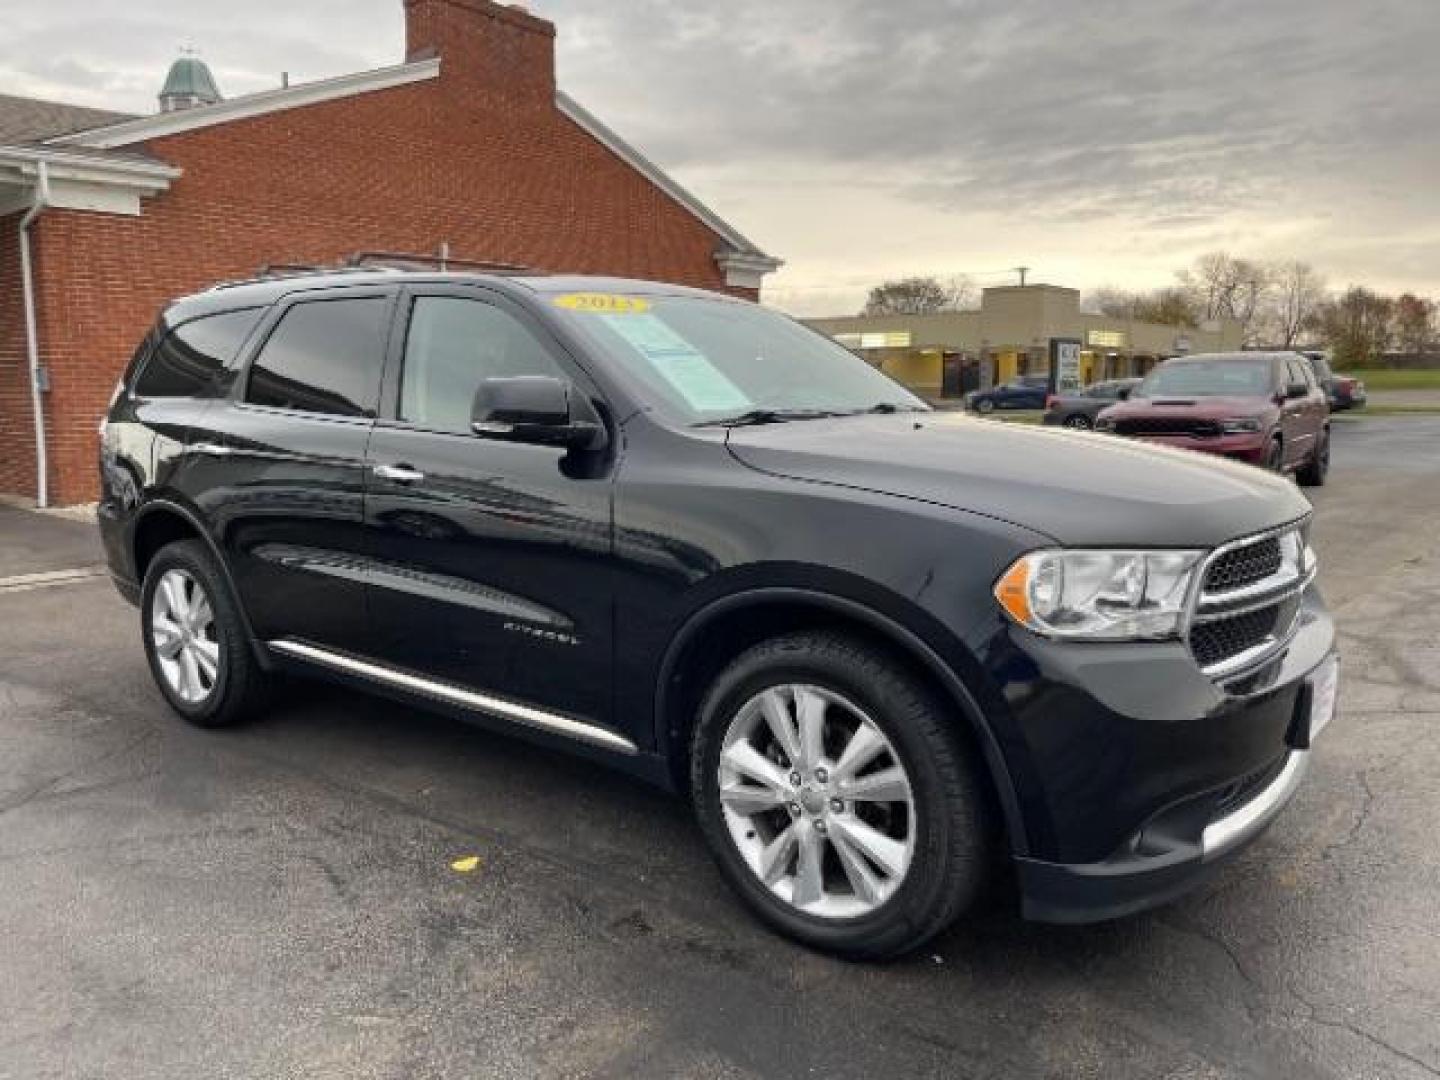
(985, 406)
(1318, 467)
(195, 639)
(920, 793)
(1080, 422)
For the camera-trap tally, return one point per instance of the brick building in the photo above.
(467, 148)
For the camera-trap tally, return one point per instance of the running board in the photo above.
(453, 695)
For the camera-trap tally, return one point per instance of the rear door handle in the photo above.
(399, 474)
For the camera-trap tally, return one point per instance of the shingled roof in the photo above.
(29, 120)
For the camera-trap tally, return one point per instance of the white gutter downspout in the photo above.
(32, 335)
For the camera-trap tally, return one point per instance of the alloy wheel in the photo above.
(183, 633)
(1078, 422)
(817, 801)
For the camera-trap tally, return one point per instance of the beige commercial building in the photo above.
(1010, 334)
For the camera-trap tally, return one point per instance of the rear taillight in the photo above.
(1050, 401)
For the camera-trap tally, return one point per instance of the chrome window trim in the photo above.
(528, 715)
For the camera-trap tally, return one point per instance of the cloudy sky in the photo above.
(1096, 141)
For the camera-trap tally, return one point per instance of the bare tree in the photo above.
(1222, 286)
(1168, 307)
(1111, 301)
(1296, 294)
(962, 293)
(918, 296)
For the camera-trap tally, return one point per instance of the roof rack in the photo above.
(378, 262)
(278, 271)
(442, 261)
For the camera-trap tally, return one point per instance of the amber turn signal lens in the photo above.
(1013, 592)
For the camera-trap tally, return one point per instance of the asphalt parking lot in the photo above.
(279, 900)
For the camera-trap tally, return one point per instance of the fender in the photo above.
(901, 635)
(160, 504)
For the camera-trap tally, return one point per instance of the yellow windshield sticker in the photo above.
(603, 303)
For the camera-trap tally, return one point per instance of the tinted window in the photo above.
(452, 345)
(1300, 373)
(188, 360)
(324, 357)
(1107, 390)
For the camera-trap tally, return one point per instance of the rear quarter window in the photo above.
(324, 357)
(189, 360)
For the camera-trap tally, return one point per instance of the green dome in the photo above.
(189, 83)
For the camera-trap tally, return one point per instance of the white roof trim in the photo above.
(242, 108)
(95, 168)
(657, 176)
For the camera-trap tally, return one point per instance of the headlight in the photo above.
(1099, 595)
(1239, 426)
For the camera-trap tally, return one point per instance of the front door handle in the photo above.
(399, 474)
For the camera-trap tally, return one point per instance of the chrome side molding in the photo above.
(454, 695)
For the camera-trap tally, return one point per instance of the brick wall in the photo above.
(17, 443)
(479, 158)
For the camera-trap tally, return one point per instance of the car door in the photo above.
(279, 467)
(494, 570)
(1298, 420)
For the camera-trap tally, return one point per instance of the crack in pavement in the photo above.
(1314, 1017)
(44, 789)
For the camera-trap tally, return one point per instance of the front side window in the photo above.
(325, 357)
(188, 361)
(1299, 376)
(454, 344)
(699, 360)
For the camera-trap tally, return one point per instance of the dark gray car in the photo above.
(1079, 410)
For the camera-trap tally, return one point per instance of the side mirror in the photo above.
(1296, 390)
(538, 410)
(1123, 393)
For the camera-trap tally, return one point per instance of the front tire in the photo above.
(836, 797)
(985, 406)
(1318, 467)
(1275, 457)
(195, 639)
(1079, 421)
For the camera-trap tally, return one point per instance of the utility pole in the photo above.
(1022, 271)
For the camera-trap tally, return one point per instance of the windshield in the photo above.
(1208, 378)
(701, 361)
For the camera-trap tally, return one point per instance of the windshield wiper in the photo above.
(768, 416)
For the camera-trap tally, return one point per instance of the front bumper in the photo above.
(1250, 447)
(1158, 867)
(1140, 774)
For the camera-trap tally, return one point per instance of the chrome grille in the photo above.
(1213, 642)
(1249, 601)
(1167, 425)
(1244, 566)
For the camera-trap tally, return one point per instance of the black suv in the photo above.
(885, 651)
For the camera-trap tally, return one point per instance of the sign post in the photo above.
(1065, 366)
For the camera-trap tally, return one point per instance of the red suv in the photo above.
(1263, 408)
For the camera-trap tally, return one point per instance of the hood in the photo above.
(1076, 487)
(1204, 408)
